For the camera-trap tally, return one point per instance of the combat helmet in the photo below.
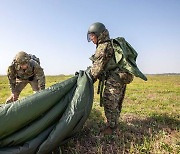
(22, 57)
(96, 28)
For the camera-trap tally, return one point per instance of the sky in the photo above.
(56, 32)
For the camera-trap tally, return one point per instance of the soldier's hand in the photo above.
(14, 96)
(92, 77)
(42, 87)
(9, 100)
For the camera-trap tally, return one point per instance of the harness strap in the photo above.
(101, 88)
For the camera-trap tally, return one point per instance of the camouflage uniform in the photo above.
(19, 78)
(115, 80)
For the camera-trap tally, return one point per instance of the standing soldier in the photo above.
(25, 69)
(115, 80)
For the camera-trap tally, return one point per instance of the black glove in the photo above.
(80, 73)
(76, 73)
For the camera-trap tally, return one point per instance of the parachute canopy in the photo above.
(41, 122)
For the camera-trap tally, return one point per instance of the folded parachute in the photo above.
(41, 122)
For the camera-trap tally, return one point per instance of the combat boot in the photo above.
(107, 131)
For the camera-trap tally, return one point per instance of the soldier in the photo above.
(115, 80)
(23, 70)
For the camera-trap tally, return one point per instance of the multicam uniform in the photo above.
(115, 80)
(19, 78)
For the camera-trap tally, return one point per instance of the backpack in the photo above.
(125, 57)
(33, 57)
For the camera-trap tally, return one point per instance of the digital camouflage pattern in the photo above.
(115, 80)
(19, 78)
(112, 100)
(103, 54)
(113, 97)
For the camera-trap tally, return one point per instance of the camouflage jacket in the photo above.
(34, 70)
(104, 58)
(104, 52)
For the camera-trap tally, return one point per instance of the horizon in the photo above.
(74, 74)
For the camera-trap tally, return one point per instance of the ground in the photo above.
(149, 121)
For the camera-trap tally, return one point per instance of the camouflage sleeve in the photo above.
(102, 56)
(39, 73)
(11, 74)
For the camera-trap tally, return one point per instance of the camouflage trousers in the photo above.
(20, 85)
(113, 96)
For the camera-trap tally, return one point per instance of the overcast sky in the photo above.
(55, 31)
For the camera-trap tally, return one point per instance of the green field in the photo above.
(149, 123)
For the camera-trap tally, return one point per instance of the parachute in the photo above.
(41, 122)
(125, 57)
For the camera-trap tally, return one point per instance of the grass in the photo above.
(149, 122)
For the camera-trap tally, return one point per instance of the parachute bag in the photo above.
(125, 57)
